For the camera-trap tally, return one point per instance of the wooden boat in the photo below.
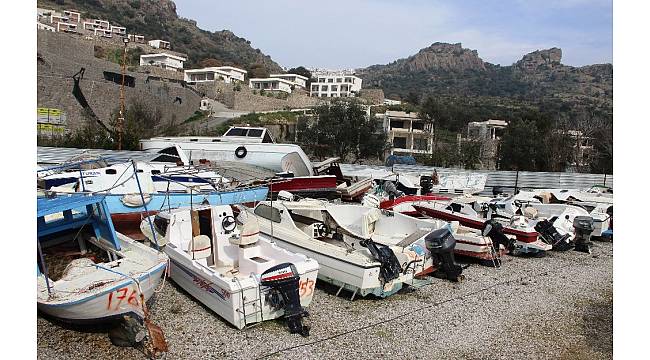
(243, 278)
(86, 271)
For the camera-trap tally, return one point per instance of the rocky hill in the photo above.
(539, 79)
(158, 20)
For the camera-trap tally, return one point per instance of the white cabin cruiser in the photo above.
(242, 277)
(287, 158)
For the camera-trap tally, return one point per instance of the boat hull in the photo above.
(476, 223)
(225, 296)
(123, 298)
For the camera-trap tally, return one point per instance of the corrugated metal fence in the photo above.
(507, 180)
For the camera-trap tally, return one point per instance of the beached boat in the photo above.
(86, 271)
(243, 278)
(469, 242)
(466, 214)
(356, 246)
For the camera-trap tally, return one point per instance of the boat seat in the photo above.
(454, 225)
(202, 247)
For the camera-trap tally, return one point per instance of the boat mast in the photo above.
(120, 118)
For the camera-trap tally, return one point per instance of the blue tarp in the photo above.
(403, 160)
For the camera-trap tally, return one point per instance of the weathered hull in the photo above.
(475, 223)
(120, 299)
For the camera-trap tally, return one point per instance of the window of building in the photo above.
(399, 142)
(396, 124)
(314, 88)
(335, 88)
(334, 95)
(418, 125)
(348, 80)
(420, 144)
(323, 88)
(330, 80)
(323, 95)
(321, 79)
(339, 80)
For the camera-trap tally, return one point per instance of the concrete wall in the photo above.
(245, 100)
(62, 55)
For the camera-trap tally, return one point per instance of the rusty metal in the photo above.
(156, 344)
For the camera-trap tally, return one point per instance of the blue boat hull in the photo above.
(161, 201)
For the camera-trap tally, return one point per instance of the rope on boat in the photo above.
(431, 305)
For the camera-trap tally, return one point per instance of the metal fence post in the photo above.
(516, 182)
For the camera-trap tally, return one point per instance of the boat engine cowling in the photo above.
(584, 226)
(441, 244)
(494, 230)
(284, 283)
(550, 235)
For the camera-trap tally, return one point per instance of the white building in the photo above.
(74, 16)
(160, 44)
(118, 30)
(335, 85)
(297, 80)
(271, 84)
(138, 39)
(42, 26)
(208, 74)
(486, 130)
(235, 73)
(407, 133)
(103, 33)
(391, 102)
(163, 60)
(66, 27)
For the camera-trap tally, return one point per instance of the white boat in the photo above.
(356, 246)
(110, 275)
(286, 158)
(242, 277)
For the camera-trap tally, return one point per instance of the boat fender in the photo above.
(241, 152)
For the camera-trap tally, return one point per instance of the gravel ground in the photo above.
(557, 307)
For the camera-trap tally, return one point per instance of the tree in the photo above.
(413, 98)
(342, 129)
(257, 71)
(300, 70)
(519, 146)
(210, 62)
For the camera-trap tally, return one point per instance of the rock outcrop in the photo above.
(549, 58)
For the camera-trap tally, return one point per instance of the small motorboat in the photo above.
(359, 249)
(88, 273)
(465, 213)
(242, 277)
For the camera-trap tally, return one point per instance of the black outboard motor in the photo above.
(390, 267)
(550, 235)
(441, 244)
(494, 230)
(391, 190)
(283, 279)
(426, 184)
(584, 226)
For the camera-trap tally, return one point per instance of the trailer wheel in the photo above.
(241, 152)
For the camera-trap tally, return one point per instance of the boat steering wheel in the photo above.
(228, 224)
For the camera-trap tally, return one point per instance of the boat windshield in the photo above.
(267, 212)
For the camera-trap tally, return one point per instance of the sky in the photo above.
(342, 34)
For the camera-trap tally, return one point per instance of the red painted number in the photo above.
(120, 295)
(306, 287)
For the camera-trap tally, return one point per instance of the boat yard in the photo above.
(556, 307)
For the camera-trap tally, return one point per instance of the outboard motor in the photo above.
(426, 184)
(390, 266)
(283, 279)
(550, 235)
(441, 244)
(391, 190)
(494, 230)
(584, 226)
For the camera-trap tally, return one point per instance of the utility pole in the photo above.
(120, 118)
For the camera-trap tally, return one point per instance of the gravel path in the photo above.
(557, 307)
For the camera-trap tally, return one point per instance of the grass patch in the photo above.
(198, 115)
